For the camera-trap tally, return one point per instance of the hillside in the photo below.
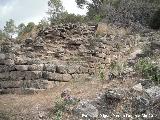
(96, 72)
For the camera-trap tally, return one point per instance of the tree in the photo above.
(43, 23)
(95, 7)
(10, 28)
(55, 10)
(2, 35)
(20, 28)
(29, 27)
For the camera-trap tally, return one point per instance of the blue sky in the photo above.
(30, 10)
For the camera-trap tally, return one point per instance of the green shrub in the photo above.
(61, 106)
(148, 70)
(155, 21)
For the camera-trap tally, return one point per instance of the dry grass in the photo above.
(27, 106)
(104, 29)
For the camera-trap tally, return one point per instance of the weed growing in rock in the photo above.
(63, 104)
(147, 69)
(101, 73)
(117, 68)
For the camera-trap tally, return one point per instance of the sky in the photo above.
(31, 10)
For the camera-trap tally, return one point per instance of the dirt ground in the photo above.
(26, 107)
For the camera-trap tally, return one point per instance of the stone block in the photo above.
(20, 60)
(36, 84)
(83, 70)
(33, 75)
(36, 67)
(2, 56)
(50, 67)
(21, 67)
(9, 62)
(72, 69)
(6, 68)
(10, 84)
(79, 77)
(66, 77)
(17, 75)
(62, 69)
(4, 75)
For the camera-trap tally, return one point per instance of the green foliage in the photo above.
(61, 105)
(101, 74)
(59, 115)
(58, 15)
(2, 35)
(29, 27)
(55, 10)
(43, 24)
(96, 8)
(70, 18)
(20, 28)
(117, 68)
(155, 20)
(148, 70)
(4, 115)
(97, 18)
(10, 28)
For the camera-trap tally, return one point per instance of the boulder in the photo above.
(146, 83)
(115, 95)
(39, 46)
(29, 41)
(87, 110)
(153, 92)
(138, 87)
(155, 45)
(139, 105)
(2, 56)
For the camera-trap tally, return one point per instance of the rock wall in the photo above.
(59, 54)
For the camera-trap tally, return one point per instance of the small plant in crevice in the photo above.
(147, 51)
(116, 69)
(63, 104)
(59, 115)
(101, 74)
(148, 70)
